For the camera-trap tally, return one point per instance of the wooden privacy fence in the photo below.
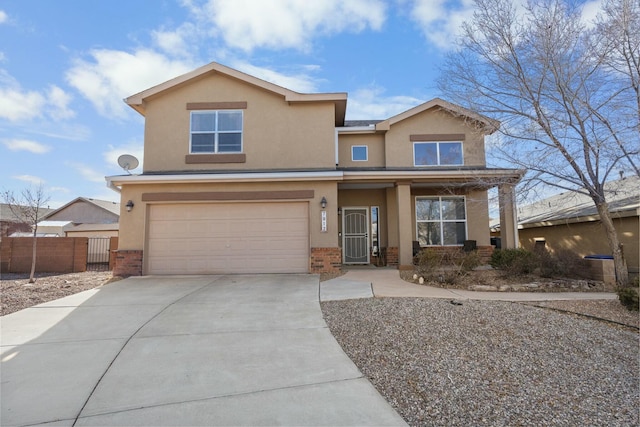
(54, 254)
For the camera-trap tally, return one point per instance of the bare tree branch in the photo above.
(567, 95)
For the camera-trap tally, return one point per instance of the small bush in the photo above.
(514, 261)
(629, 298)
(562, 263)
(448, 266)
(427, 261)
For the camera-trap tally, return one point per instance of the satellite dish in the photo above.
(128, 162)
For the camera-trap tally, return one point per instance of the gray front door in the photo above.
(355, 235)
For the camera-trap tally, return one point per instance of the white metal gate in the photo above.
(98, 253)
(355, 235)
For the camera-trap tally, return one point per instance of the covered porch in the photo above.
(385, 216)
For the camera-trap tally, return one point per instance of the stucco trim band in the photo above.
(227, 195)
(191, 159)
(238, 105)
(437, 137)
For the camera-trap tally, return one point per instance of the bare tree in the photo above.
(566, 92)
(29, 208)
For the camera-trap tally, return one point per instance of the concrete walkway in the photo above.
(207, 350)
(386, 282)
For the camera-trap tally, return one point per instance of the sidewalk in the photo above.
(386, 282)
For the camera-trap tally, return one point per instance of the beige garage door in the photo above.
(213, 238)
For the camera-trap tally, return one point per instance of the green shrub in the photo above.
(514, 261)
(629, 298)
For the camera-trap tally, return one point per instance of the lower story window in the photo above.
(441, 221)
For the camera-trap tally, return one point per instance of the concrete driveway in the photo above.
(204, 350)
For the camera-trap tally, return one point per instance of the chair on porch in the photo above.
(416, 247)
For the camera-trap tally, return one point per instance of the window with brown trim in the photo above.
(216, 131)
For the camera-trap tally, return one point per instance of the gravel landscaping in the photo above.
(17, 293)
(491, 363)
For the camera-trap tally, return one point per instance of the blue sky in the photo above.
(66, 65)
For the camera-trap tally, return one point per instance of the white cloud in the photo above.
(299, 82)
(3, 17)
(590, 11)
(369, 103)
(181, 42)
(30, 179)
(135, 148)
(441, 20)
(17, 104)
(59, 189)
(58, 103)
(112, 75)
(88, 173)
(248, 24)
(26, 145)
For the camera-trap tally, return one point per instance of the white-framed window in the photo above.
(441, 221)
(447, 153)
(359, 153)
(216, 131)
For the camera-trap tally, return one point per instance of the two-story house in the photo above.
(244, 176)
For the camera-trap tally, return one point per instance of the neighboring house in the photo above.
(10, 224)
(570, 221)
(244, 176)
(85, 217)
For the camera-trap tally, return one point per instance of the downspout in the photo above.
(336, 146)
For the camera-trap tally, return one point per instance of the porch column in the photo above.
(508, 216)
(405, 233)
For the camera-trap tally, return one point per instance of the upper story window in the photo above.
(359, 153)
(437, 153)
(441, 221)
(216, 131)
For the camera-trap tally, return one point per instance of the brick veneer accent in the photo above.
(113, 249)
(392, 255)
(326, 260)
(483, 251)
(128, 263)
(53, 254)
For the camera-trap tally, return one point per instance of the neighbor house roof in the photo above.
(623, 197)
(339, 99)
(7, 215)
(111, 207)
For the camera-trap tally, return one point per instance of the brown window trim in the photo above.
(437, 137)
(192, 159)
(227, 195)
(237, 105)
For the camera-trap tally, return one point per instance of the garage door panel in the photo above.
(214, 238)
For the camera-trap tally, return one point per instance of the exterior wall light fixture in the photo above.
(323, 202)
(129, 205)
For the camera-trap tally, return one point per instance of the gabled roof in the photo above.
(623, 197)
(339, 99)
(488, 125)
(7, 215)
(111, 207)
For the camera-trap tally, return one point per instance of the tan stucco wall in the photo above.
(276, 134)
(399, 149)
(375, 144)
(587, 238)
(132, 224)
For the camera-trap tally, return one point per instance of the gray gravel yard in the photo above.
(491, 363)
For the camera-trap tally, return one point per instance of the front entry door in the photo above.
(355, 235)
